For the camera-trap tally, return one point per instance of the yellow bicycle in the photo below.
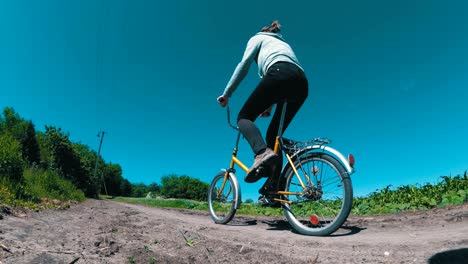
(314, 187)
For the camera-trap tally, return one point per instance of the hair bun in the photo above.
(274, 27)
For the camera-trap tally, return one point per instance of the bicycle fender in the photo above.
(237, 186)
(328, 150)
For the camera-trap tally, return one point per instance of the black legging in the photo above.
(284, 82)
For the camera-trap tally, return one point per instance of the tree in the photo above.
(139, 190)
(57, 153)
(125, 188)
(24, 132)
(112, 175)
(29, 144)
(88, 160)
(21, 146)
(184, 187)
(154, 188)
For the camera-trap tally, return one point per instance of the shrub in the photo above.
(184, 187)
(450, 190)
(41, 183)
(6, 196)
(11, 161)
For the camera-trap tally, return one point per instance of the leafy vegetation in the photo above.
(40, 183)
(37, 165)
(42, 166)
(184, 187)
(141, 190)
(11, 162)
(32, 193)
(166, 203)
(450, 191)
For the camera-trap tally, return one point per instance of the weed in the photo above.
(189, 241)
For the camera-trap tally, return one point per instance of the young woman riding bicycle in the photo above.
(282, 80)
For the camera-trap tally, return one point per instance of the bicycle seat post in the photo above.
(283, 113)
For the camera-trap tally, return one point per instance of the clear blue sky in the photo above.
(388, 81)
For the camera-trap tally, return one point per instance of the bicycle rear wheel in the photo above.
(222, 197)
(320, 205)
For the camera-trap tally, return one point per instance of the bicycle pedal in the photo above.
(263, 201)
(268, 201)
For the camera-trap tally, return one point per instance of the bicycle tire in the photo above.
(222, 207)
(324, 212)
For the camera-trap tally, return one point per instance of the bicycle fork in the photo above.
(234, 160)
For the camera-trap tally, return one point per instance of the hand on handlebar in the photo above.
(223, 100)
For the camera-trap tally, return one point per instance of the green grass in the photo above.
(449, 191)
(38, 188)
(48, 184)
(169, 203)
(246, 208)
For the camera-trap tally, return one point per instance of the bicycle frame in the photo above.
(277, 149)
(314, 176)
(234, 159)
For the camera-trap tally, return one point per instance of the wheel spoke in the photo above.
(222, 197)
(325, 204)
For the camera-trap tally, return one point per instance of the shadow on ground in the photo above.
(242, 222)
(345, 230)
(456, 256)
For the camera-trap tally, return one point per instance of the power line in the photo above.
(101, 135)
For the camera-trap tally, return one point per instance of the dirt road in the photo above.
(102, 231)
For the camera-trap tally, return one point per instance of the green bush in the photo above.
(11, 161)
(21, 146)
(450, 190)
(7, 197)
(184, 187)
(40, 184)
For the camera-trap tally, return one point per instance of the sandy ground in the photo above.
(103, 231)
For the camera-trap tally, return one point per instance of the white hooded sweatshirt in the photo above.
(266, 49)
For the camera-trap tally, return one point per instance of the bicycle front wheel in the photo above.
(222, 197)
(320, 199)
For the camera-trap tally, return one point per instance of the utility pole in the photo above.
(101, 135)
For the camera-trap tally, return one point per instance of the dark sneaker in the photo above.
(262, 161)
(266, 200)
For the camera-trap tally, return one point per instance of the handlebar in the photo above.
(229, 119)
